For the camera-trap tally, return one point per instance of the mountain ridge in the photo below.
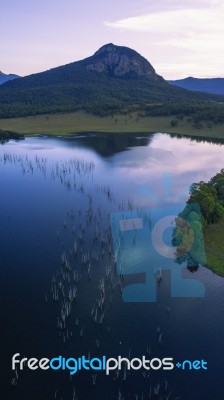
(7, 77)
(204, 85)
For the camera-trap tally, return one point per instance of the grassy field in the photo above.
(214, 245)
(54, 124)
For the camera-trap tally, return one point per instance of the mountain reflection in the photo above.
(106, 145)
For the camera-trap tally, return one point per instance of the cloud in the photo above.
(192, 32)
(166, 5)
(185, 21)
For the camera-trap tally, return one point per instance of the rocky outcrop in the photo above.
(119, 61)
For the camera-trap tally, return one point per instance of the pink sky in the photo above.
(178, 37)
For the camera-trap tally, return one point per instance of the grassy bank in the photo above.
(82, 122)
(214, 245)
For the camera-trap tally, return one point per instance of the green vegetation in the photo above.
(210, 197)
(84, 122)
(72, 87)
(206, 205)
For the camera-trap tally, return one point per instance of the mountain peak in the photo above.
(121, 62)
(109, 47)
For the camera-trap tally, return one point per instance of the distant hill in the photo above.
(211, 85)
(4, 77)
(114, 79)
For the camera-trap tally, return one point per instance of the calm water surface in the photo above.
(60, 292)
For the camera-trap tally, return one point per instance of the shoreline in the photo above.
(211, 269)
(5, 136)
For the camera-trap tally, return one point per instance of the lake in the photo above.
(62, 291)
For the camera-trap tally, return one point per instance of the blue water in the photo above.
(56, 202)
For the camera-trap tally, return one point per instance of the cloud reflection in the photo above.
(181, 161)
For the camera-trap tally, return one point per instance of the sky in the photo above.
(178, 37)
